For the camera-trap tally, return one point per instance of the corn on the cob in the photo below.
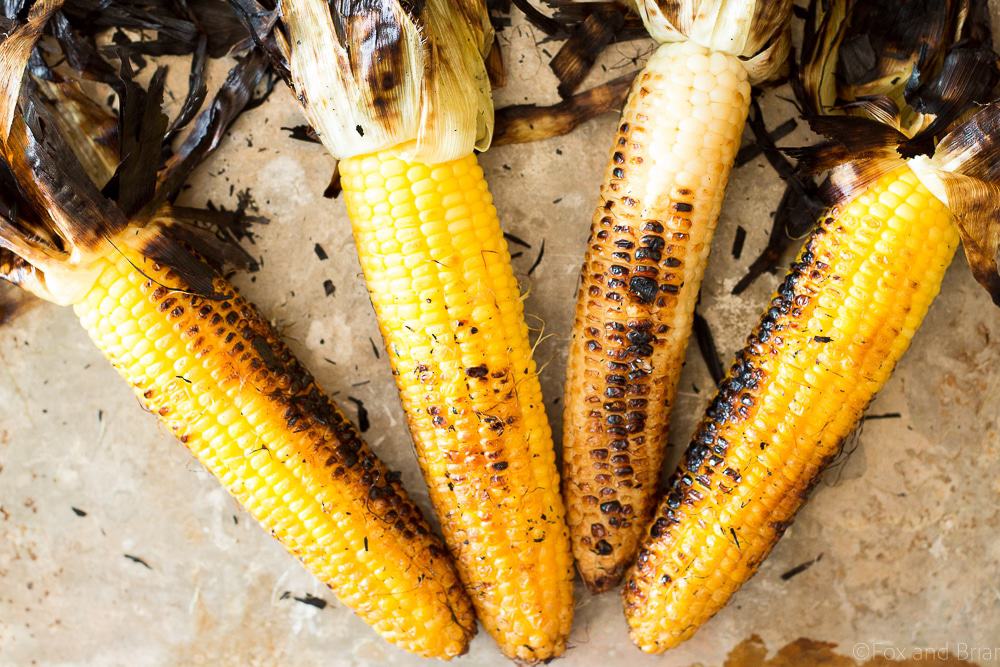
(219, 377)
(440, 279)
(439, 275)
(649, 242)
(648, 246)
(841, 320)
(202, 358)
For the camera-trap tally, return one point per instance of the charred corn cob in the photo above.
(203, 359)
(449, 308)
(833, 333)
(219, 377)
(836, 327)
(648, 246)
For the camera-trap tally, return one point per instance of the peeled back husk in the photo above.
(375, 75)
(756, 31)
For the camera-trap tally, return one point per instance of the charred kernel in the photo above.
(618, 172)
(500, 465)
(616, 283)
(611, 507)
(617, 270)
(619, 445)
(672, 262)
(653, 226)
(659, 527)
(651, 254)
(644, 289)
(599, 454)
(597, 530)
(480, 371)
(614, 392)
(607, 491)
(683, 207)
(593, 346)
(594, 291)
(603, 548)
(624, 472)
(618, 158)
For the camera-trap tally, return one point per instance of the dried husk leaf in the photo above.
(15, 51)
(939, 66)
(743, 28)
(61, 210)
(965, 174)
(522, 123)
(374, 75)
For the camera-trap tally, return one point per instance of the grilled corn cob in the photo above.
(203, 359)
(833, 333)
(839, 323)
(439, 276)
(218, 376)
(648, 246)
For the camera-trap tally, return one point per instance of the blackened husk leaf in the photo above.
(178, 26)
(141, 128)
(578, 54)
(15, 51)
(90, 128)
(800, 207)
(528, 122)
(51, 177)
(81, 53)
(210, 126)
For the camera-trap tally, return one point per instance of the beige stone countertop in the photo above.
(117, 549)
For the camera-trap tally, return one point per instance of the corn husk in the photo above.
(916, 107)
(756, 31)
(377, 75)
(79, 182)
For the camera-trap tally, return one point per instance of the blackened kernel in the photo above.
(611, 507)
(603, 548)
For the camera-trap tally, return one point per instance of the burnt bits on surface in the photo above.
(632, 275)
(256, 360)
(709, 466)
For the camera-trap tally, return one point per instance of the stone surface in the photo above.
(116, 548)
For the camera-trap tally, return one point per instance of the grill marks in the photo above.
(766, 436)
(647, 251)
(712, 465)
(632, 275)
(257, 362)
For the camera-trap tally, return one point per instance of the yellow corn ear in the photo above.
(218, 376)
(449, 307)
(834, 331)
(646, 255)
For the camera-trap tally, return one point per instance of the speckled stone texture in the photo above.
(906, 524)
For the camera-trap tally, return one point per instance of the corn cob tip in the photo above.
(756, 31)
(422, 82)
